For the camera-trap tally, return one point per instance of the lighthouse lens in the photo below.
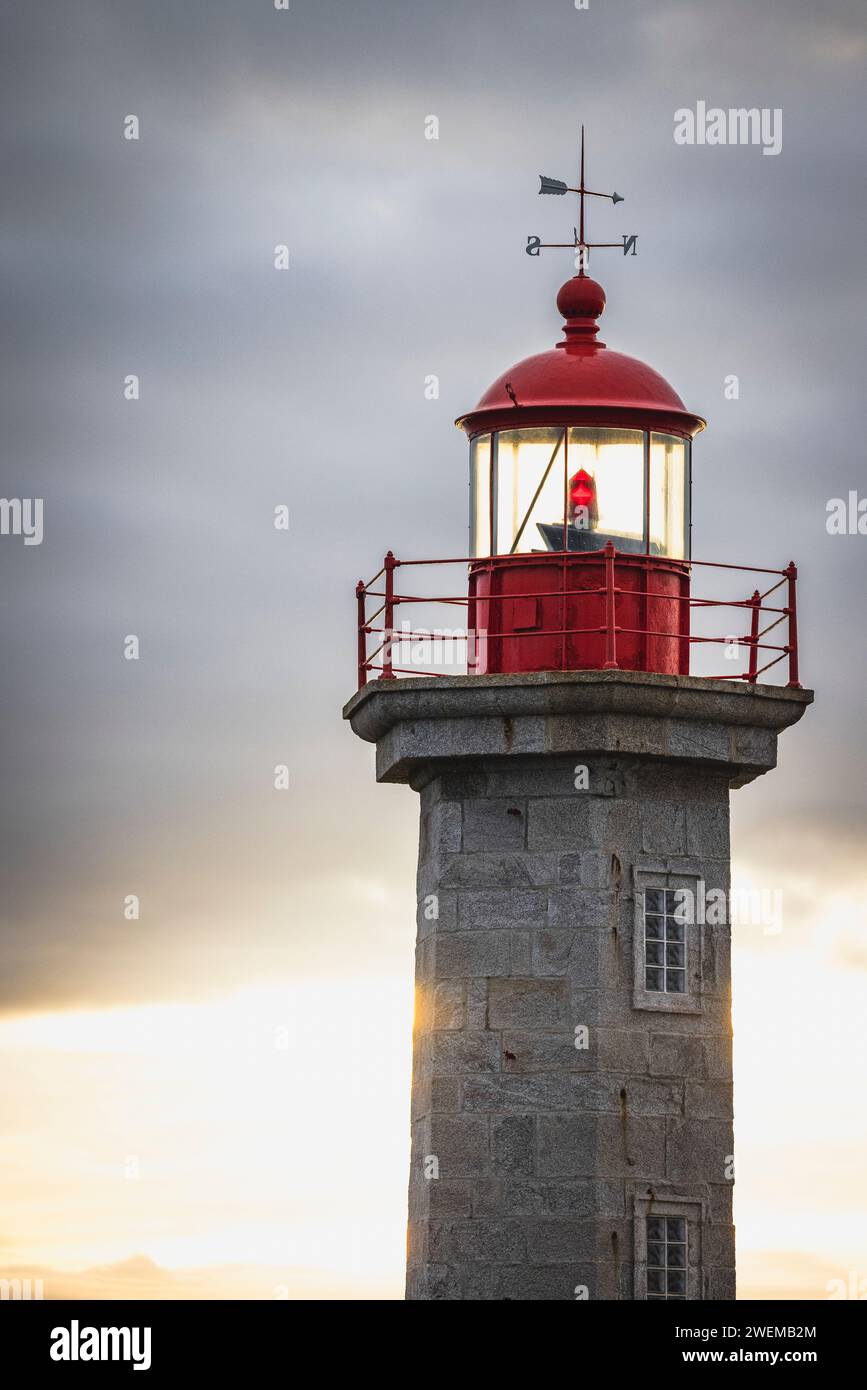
(610, 465)
(556, 489)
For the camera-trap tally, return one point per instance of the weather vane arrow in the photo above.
(579, 243)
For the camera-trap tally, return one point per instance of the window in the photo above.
(613, 461)
(668, 1235)
(664, 941)
(666, 1257)
(557, 488)
(480, 494)
(668, 490)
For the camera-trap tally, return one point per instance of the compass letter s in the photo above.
(533, 244)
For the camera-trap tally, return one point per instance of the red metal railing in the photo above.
(380, 623)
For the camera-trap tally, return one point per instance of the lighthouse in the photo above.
(572, 1108)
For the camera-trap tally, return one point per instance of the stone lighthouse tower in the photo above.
(572, 1076)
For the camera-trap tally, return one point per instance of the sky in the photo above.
(164, 1124)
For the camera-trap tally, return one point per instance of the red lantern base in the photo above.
(580, 612)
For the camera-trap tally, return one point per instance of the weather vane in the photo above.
(580, 245)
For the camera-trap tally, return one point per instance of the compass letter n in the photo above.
(630, 243)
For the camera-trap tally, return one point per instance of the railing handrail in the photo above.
(610, 629)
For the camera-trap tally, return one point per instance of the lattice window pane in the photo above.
(666, 1257)
(664, 942)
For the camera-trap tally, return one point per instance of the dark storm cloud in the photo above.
(155, 257)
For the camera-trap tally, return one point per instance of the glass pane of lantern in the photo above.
(597, 483)
(480, 481)
(529, 483)
(614, 462)
(669, 496)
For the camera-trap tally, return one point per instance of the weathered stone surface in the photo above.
(494, 824)
(513, 1144)
(459, 1143)
(592, 869)
(449, 1198)
(448, 1004)
(517, 1094)
(558, 823)
(465, 1053)
(528, 1003)
(483, 870)
(498, 911)
(573, 907)
(452, 1242)
(589, 1146)
(544, 1148)
(567, 1146)
(436, 911)
(615, 825)
(460, 954)
(663, 828)
(445, 1094)
(723, 1284)
(439, 1283)
(708, 1100)
(545, 1283)
(708, 742)
(677, 1054)
(707, 831)
(698, 1146)
(717, 1246)
(477, 1002)
(440, 830)
(563, 1241)
(644, 1096)
(553, 952)
(591, 1197)
(479, 1281)
(519, 953)
(541, 1052)
(721, 1200)
(424, 720)
(622, 1050)
(505, 1197)
(718, 1056)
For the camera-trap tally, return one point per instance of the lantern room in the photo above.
(580, 462)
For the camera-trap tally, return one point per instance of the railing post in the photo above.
(389, 565)
(472, 650)
(756, 602)
(360, 596)
(791, 573)
(610, 663)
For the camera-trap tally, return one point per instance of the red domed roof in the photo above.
(581, 381)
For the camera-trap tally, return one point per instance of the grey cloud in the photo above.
(259, 388)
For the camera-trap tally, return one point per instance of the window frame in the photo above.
(690, 1000)
(691, 1209)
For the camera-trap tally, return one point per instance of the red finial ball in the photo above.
(581, 298)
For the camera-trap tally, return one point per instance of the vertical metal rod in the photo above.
(791, 574)
(644, 608)
(360, 596)
(389, 565)
(493, 465)
(564, 605)
(756, 602)
(472, 640)
(610, 663)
